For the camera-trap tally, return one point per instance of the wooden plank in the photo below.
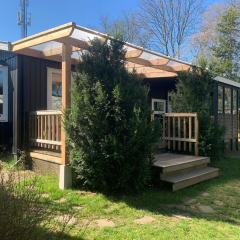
(45, 157)
(184, 133)
(45, 141)
(190, 132)
(169, 131)
(164, 130)
(196, 136)
(179, 133)
(180, 114)
(47, 112)
(181, 139)
(43, 37)
(66, 81)
(133, 54)
(174, 134)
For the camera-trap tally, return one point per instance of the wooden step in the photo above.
(173, 162)
(183, 170)
(192, 177)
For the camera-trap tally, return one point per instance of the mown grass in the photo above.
(174, 219)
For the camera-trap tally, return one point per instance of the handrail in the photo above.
(45, 129)
(181, 132)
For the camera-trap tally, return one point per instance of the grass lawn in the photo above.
(167, 215)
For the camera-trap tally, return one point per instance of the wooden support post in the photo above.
(196, 136)
(66, 81)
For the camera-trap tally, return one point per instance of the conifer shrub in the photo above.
(194, 94)
(110, 134)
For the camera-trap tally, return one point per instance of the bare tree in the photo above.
(206, 38)
(169, 23)
(126, 28)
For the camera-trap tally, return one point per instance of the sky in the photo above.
(50, 13)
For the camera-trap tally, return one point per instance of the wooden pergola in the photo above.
(64, 44)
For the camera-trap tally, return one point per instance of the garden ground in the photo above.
(210, 210)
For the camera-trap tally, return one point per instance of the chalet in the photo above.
(35, 82)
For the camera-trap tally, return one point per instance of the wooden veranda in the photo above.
(64, 44)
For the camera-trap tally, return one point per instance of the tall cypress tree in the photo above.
(108, 126)
(227, 51)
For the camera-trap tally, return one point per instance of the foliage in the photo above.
(227, 50)
(194, 94)
(108, 125)
(23, 214)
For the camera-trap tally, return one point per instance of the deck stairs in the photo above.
(181, 171)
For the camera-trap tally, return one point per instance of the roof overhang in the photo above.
(48, 44)
(227, 81)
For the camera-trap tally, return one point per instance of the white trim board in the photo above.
(227, 81)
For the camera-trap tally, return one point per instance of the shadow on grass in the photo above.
(163, 201)
(46, 234)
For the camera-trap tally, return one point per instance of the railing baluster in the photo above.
(44, 129)
(182, 129)
(179, 133)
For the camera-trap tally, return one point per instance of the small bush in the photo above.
(23, 214)
(110, 134)
(194, 94)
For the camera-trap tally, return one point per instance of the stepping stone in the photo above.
(105, 223)
(45, 195)
(68, 219)
(183, 216)
(205, 194)
(61, 200)
(206, 209)
(190, 201)
(77, 208)
(218, 203)
(145, 220)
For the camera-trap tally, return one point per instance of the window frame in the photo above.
(4, 115)
(160, 101)
(50, 72)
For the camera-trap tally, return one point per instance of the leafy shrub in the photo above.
(194, 94)
(22, 211)
(110, 134)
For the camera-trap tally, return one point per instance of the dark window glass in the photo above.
(234, 101)
(220, 99)
(228, 101)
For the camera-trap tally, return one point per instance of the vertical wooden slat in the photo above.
(164, 130)
(190, 133)
(169, 131)
(174, 133)
(179, 133)
(184, 133)
(196, 135)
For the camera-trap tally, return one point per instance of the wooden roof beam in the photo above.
(51, 35)
(74, 42)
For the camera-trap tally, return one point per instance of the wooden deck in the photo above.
(181, 171)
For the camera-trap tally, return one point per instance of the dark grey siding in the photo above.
(8, 129)
(33, 77)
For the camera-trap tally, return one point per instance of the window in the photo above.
(3, 94)
(234, 101)
(54, 89)
(220, 99)
(228, 101)
(54, 79)
(158, 106)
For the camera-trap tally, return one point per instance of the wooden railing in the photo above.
(45, 129)
(181, 132)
